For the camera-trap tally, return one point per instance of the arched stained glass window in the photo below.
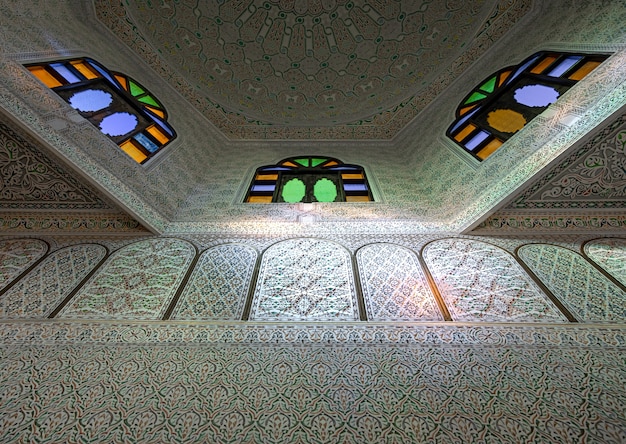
(116, 104)
(506, 101)
(309, 179)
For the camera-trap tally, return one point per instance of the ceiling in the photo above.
(310, 66)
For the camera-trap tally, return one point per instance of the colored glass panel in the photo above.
(464, 132)
(476, 140)
(302, 162)
(122, 81)
(85, 69)
(331, 163)
(91, 100)
(325, 190)
(357, 199)
(129, 148)
(585, 69)
(352, 176)
(260, 199)
(506, 120)
(146, 142)
(158, 134)
(489, 85)
(536, 95)
(543, 65)
(118, 124)
(148, 100)
(64, 71)
(156, 111)
(293, 191)
(44, 76)
(503, 76)
(135, 89)
(317, 161)
(475, 97)
(488, 149)
(564, 66)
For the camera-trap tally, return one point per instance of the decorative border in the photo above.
(542, 223)
(236, 333)
(68, 223)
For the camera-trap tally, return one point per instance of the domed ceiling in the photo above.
(311, 63)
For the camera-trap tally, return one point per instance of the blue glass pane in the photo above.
(146, 142)
(162, 124)
(265, 170)
(522, 68)
(536, 95)
(566, 64)
(476, 140)
(354, 187)
(90, 100)
(66, 73)
(344, 168)
(118, 124)
(106, 75)
(263, 188)
(463, 120)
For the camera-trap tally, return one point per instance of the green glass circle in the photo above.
(293, 191)
(325, 190)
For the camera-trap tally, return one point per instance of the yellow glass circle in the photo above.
(506, 120)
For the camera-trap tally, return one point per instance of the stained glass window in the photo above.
(113, 102)
(506, 101)
(309, 179)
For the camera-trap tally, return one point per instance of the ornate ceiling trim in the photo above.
(69, 223)
(382, 126)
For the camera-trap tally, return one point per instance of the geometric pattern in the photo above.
(610, 254)
(305, 280)
(481, 282)
(394, 285)
(31, 180)
(364, 393)
(40, 291)
(593, 176)
(586, 292)
(276, 70)
(219, 285)
(136, 282)
(16, 255)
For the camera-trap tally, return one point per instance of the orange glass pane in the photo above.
(581, 72)
(266, 177)
(260, 199)
(129, 148)
(357, 199)
(158, 134)
(466, 109)
(464, 132)
(122, 81)
(489, 149)
(505, 75)
(48, 79)
(543, 65)
(352, 176)
(85, 69)
(157, 111)
(331, 163)
(290, 164)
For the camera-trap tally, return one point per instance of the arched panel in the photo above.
(610, 254)
(588, 294)
(394, 285)
(136, 282)
(219, 284)
(46, 286)
(16, 255)
(481, 282)
(305, 280)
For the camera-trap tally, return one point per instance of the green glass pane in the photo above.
(303, 162)
(325, 190)
(489, 85)
(150, 101)
(316, 161)
(293, 191)
(474, 97)
(135, 89)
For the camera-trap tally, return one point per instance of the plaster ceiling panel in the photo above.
(305, 63)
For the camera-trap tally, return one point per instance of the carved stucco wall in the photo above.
(310, 382)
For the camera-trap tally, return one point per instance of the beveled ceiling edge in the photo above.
(384, 126)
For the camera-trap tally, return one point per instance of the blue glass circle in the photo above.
(118, 124)
(536, 95)
(90, 100)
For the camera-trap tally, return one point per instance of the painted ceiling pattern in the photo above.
(31, 180)
(290, 69)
